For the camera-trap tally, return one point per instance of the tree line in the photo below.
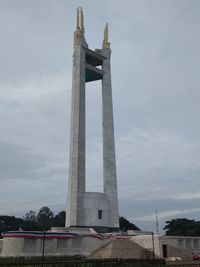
(182, 227)
(32, 221)
(44, 220)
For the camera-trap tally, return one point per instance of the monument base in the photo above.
(56, 242)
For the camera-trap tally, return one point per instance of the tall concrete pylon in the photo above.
(91, 209)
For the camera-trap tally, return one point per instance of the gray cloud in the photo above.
(12, 162)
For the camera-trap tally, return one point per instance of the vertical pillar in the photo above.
(76, 182)
(82, 205)
(109, 160)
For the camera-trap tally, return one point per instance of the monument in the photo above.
(88, 210)
(91, 209)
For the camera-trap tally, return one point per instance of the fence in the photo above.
(183, 263)
(77, 262)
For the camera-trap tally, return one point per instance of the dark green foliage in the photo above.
(182, 227)
(59, 219)
(125, 225)
(30, 221)
(8, 223)
(44, 220)
(30, 216)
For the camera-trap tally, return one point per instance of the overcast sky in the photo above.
(155, 79)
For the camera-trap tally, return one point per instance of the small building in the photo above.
(182, 247)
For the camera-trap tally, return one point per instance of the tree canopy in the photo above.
(59, 219)
(44, 220)
(125, 225)
(182, 227)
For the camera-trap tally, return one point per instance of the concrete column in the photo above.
(109, 160)
(81, 205)
(76, 182)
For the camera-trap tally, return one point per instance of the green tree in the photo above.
(30, 216)
(59, 219)
(182, 227)
(30, 221)
(45, 218)
(125, 225)
(10, 223)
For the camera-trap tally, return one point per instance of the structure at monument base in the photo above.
(77, 242)
(88, 243)
(91, 209)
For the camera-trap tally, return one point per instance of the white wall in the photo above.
(93, 202)
(146, 241)
(55, 247)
